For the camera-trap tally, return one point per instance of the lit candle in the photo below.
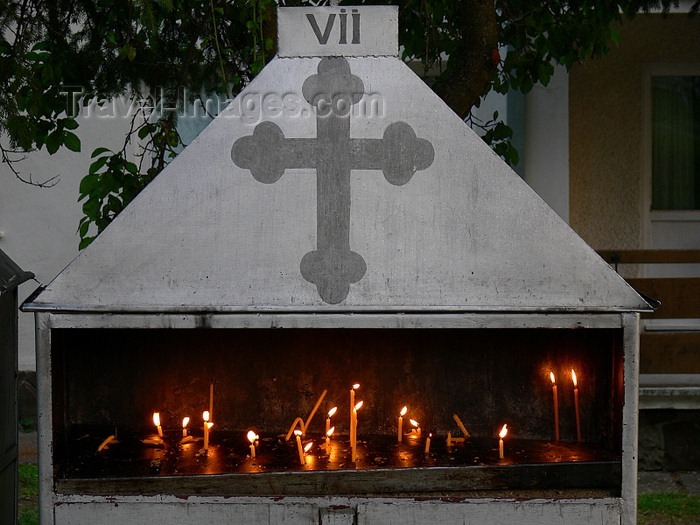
(329, 433)
(156, 422)
(427, 443)
(401, 414)
(313, 412)
(556, 406)
(300, 449)
(352, 406)
(416, 431)
(298, 421)
(307, 447)
(252, 437)
(207, 426)
(185, 422)
(353, 441)
(502, 434)
(576, 405)
(331, 413)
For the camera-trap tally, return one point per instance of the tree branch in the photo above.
(472, 68)
(48, 183)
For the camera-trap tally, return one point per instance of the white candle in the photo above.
(185, 422)
(207, 426)
(556, 406)
(211, 400)
(352, 407)
(307, 447)
(416, 431)
(298, 421)
(252, 437)
(502, 434)
(353, 441)
(331, 413)
(576, 406)
(106, 442)
(156, 422)
(329, 433)
(401, 414)
(461, 426)
(300, 449)
(352, 430)
(427, 443)
(313, 412)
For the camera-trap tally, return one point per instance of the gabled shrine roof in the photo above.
(278, 207)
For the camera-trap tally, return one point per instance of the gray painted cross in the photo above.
(267, 153)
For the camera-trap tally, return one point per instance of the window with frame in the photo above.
(675, 134)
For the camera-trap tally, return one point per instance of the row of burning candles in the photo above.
(354, 408)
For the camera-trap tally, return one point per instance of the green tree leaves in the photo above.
(111, 183)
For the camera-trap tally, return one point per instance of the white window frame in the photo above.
(648, 215)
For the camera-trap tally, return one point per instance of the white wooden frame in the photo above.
(646, 213)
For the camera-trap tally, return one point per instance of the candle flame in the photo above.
(356, 386)
(308, 446)
(551, 376)
(403, 411)
(573, 377)
(209, 424)
(252, 436)
(185, 421)
(330, 431)
(332, 411)
(297, 432)
(205, 415)
(414, 423)
(430, 435)
(156, 418)
(359, 406)
(503, 431)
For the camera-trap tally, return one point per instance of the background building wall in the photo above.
(606, 139)
(39, 225)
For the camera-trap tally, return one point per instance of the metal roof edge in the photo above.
(277, 310)
(15, 281)
(11, 275)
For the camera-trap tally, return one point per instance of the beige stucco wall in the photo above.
(606, 101)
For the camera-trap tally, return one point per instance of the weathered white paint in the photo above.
(360, 320)
(630, 417)
(547, 143)
(44, 418)
(465, 233)
(77, 510)
(375, 29)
